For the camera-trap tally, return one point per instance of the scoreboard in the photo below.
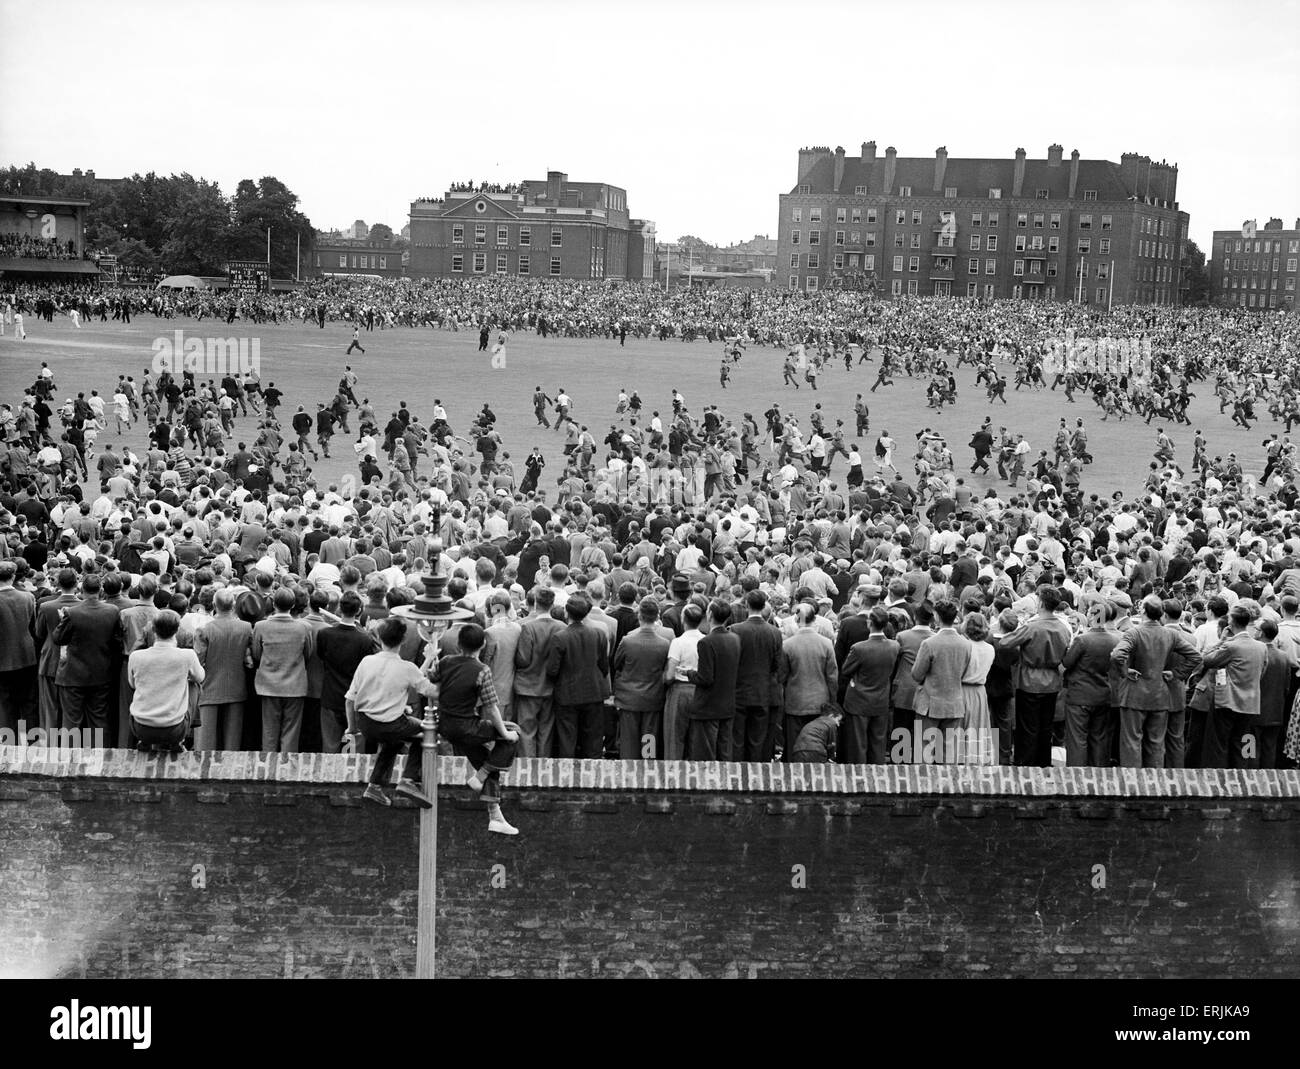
(249, 277)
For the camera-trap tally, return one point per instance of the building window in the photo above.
(913, 264)
(814, 215)
(794, 237)
(1036, 243)
(1085, 222)
(839, 261)
(1038, 220)
(975, 243)
(1051, 269)
(1042, 194)
(977, 218)
(988, 291)
(896, 288)
(1103, 246)
(855, 216)
(814, 237)
(990, 267)
(898, 263)
(1022, 219)
(841, 214)
(501, 263)
(524, 264)
(794, 261)
(557, 238)
(1101, 294)
(869, 263)
(973, 266)
(900, 240)
(1020, 243)
(870, 241)
(503, 235)
(904, 191)
(458, 234)
(1018, 268)
(950, 192)
(1089, 194)
(853, 259)
(1103, 270)
(458, 263)
(526, 236)
(871, 215)
(1015, 293)
(995, 194)
(814, 261)
(1291, 264)
(916, 241)
(794, 282)
(972, 289)
(383, 263)
(555, 265)
(991, 243)
(839, 237)
(916, 217)
(855, 237)
(1293, 246)
(900, 217)
(343, 259)
(913, 287)
(797, 215)
(859, 191)
(994, 218)
(480, 263)
(480, 233)
(1053, 244)
(812, 283)
(1085, 245)
(1054, 222)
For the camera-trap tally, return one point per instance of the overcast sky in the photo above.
(697, 108)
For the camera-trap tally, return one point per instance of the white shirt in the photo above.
(684, 650)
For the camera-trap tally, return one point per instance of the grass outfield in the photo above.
(416, 366)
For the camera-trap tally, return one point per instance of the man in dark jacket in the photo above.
(756, 686)
(88, 631)
(579, 667)
(711, 712)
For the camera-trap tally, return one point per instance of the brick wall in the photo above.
(258, 865)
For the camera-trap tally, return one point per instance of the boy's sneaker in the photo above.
(413, 792)
(375, 793)
(502, 827)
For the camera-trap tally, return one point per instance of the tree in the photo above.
(381, 232)
(1196, 279)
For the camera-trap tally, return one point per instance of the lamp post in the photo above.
(432, 612)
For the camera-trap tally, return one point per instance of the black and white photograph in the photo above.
(650, 491)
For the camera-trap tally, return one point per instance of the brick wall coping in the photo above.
(641, 776)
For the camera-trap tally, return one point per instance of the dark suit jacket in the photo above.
(47, 618)
(853, 629)
(867, 676)
(90, 633)
(1243, 659)
(760, 659)
(715, 679)
(579, 665)
(1273, 688)
(1151, 648)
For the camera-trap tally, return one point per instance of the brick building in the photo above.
(544, 229)
(1051, 229)
(1255, 267)
(341, 256)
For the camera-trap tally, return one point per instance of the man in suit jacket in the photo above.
(808, 674)
(1274, 686)
(17, 652)
(534, 710)
(1238, 662)
(579, 668)
(224, 651)
(757, 690)
(639, 663)
(1144, 654)
(940, 665)
(88, 635)
(47, 618)
(281, 648)
(1042, 642)
(910, 639)
(709, 735)
(868, 675)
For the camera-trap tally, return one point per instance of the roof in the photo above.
(66, 202)
(23, 265)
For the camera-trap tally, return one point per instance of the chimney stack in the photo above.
(1054, 153)
(868, 152)
(1074, 172)
(940, 166)
(839, 166)
(891, 169)
(1018, 177)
